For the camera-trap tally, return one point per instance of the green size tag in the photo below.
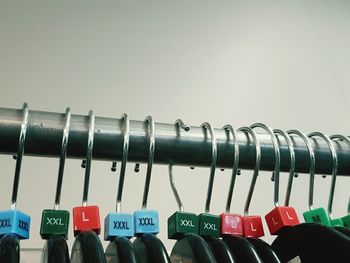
(317, 215)
(337, 222)
(346, 220)
(54, 222)
(181, 223)
(209, 225)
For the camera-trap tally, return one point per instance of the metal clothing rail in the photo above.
(180, 147)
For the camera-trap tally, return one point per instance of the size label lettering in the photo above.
(184, 222)
(23, 225)
(5, 222)
(120, 225)
(146, 221)
(210, 226)
(52, 221)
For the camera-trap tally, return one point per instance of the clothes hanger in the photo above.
(319, 215)
(264, 250)
(241, 248)
(183, 226)
(345, 219)
(15, 224)
(231, 224)
(119, 227)
(147, 246)
(310, 242)
(87, 247)
(55, 222)
(209, 224)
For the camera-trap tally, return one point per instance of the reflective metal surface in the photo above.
(44, 135)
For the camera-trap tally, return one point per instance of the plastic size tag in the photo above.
(146, 222)
(346, 220)
(337, 222)
(86, 218)
(280, 217)
(317, 215)
(231, 224)
(119, 225)
(54, 222)
(181, 223)
(14, 222)
(209, 225)
(252, 226)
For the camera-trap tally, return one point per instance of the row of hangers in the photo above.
(229, 237)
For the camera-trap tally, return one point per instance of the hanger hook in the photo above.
(214, 154)
(183, 125)
(173, 188)
(249, 131)
(89, 151)
(229, 128)
(126, 132)
(186, 127)
(311, 170)
(277, 158)
(20, 152)
(292, 162)
(347, 140)
(334, 168)
(150, 160)
(62, 159)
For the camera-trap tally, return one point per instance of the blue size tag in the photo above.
(14, 222)
(146, 222)
(119, 225)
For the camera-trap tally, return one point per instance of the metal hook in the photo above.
(186, 127)
(183, 125)
(229, 128)
(334, 168)
(311, 170)
(347, 140)
(89, 150)
(126, 129)
(150, 161)
(62, 159)
(214, 154)
(292, 162)
(173, 187)
(249, 131)
(20, 152)
(277, 158)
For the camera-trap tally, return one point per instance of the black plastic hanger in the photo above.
(192, 248)
(312, 243)
(264, 250)
(55, 222)
(121, 250)
(9, 249)
(55, 251)
(87, 247)
(17, 223)
(149, 249)
(119, 227)
(147, 246)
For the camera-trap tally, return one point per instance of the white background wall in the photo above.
(284, 63)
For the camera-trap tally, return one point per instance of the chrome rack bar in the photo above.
(188, 148)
